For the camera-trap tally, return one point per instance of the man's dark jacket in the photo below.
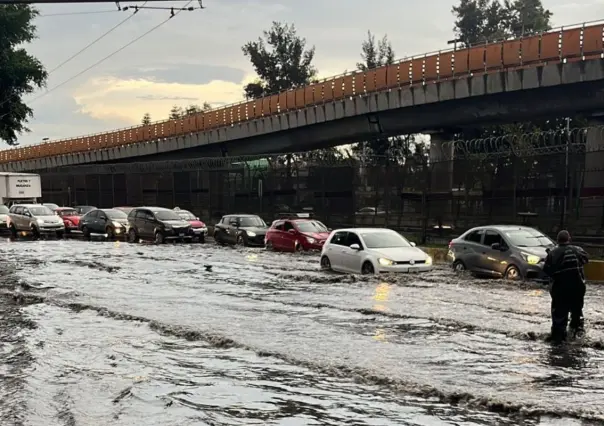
(564, 264)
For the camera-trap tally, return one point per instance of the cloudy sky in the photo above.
(196, 57)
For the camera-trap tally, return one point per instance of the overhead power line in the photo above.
(89, 45)
(92, 12)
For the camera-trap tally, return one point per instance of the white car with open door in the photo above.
(371, 251)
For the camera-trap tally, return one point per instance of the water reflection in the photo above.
(567, 356)
(381, 295)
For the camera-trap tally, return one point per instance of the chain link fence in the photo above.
(550, 180)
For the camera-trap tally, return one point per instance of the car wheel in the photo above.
(159, 237)
(201, 239)
(35, 232)
(60, 235)
(110, 233)
(367, 268)
(298, 247)
(132, 237)
(512, 273)
(86, 232)
(240, 240)
(13, 231)
(325, 263)
(458, 266)
(269, 246)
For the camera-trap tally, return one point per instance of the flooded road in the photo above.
(111, 333)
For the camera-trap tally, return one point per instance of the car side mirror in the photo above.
(413, 244)
(291, 231)
(547, 250)
(233, 223)
(497, 246)
(355, 247)
(196, 218)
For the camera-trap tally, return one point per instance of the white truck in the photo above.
(20, 188)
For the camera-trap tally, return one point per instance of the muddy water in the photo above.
(107, 333)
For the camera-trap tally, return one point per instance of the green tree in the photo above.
(481, 21)
(176, 112)
(280, 60)
(20, 73)
(146, 119)
(375, 55)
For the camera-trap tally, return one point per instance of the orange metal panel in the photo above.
(146, 133)
(309, 94)
(370, 79)
(266, 106)
(245, 111)
(237, 113)
(592, 40)
(274, 104)
(338, 88)
(431, 68)
(550, 47)
(300, 98)
(404, 73)
(530, 50)
(511, 53)
(445, 65)
(476, 61)
(282, 101)
(199, 123)
(228, 116)
(318, 95)
(417, 70)
(328, 91)
(494, 56)
(392, 75)
(258, 108)
(571, 43)
(219, 117)
(359, 84)
(460, 62)
(381, 78)
(291, 99)
(349, 85)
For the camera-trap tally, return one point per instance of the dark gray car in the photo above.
(509, 251)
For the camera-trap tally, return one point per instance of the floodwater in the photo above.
(101, 333)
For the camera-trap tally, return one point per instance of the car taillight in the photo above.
(450, 244)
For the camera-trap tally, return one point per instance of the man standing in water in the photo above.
(564, 265)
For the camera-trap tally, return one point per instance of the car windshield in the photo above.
(384, 240)
(3, 209)
(115, 214)
(249, 222)
(125, 209)
(166, 215)
(311, 226)
(528, 238)
(85, 209)
(70, 212)
(186, 215)
(51, 206)
(40, 211)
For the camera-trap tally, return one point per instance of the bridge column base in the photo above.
(441, 179)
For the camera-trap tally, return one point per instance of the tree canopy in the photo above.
(20, 73)
(146, 119)
(480, 21)
(281, 61)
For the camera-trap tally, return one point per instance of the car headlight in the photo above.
(531, 259)
(385, 262)
(428, 260)
(40, 221)
(310, 240)
(251, 234)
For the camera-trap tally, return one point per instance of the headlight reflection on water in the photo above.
(381, 296)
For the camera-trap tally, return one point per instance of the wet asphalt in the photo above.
(103, 333)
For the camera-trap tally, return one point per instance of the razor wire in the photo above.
(523, 145)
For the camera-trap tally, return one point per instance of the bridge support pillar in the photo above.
(591, 214)
(438, 212)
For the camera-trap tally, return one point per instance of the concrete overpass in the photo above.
(557, 73)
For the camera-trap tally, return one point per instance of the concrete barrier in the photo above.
(594, 270)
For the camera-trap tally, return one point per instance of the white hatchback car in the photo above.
(371, 251)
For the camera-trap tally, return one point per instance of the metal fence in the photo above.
(551, 180)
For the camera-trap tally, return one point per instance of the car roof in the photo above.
(65, 208)
(502, 227)
(154, 208)
(365, 230)
(241, 215)
(28, 205)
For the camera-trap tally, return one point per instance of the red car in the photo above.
(199, 229)
(71, 218)
(296, 235)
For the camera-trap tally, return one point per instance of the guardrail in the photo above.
(574, 43)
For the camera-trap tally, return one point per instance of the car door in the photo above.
(276, 235)
(335, 251)
(148, 224)
(25, 218)
(493, 261)
(470, 250)
(352, 258)
(88, 220)
(232, 229)
(102, 221)
(18, 218)
(289, 236)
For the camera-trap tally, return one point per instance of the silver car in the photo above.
(509, 251)
(35, 219)
(3, 218)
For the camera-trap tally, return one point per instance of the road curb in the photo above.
(594, 270)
